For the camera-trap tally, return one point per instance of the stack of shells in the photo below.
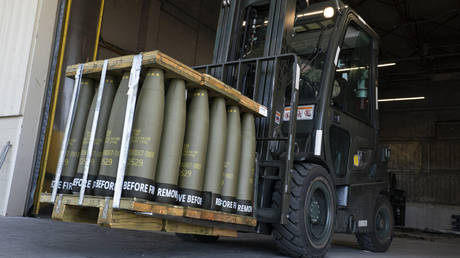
(193, 151)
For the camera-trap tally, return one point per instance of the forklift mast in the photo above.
(249, 53)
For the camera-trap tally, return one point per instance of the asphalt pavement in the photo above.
(33, 237)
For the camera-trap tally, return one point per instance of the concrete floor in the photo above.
(29, 237)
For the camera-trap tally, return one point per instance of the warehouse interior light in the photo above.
(401, 99)
(351, 68)
(363, 67)
(386, 64)
(310, 13)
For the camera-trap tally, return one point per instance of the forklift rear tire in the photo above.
(197, 238)
(381, 235)
(311, 216)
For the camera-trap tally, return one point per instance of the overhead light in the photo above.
(386, 64)
(363, 67)
(310, 13)
(401, 99)
(350, 69)
(328, 12)
(244, 23)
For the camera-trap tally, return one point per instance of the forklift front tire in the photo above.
(381, 235)
(311, 216)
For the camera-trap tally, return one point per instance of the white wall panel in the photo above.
(9, 128)
(17, 18)
(26, 37)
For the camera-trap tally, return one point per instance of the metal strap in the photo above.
(5, 150)
(89, 153)
(68, 129)
(127, 127)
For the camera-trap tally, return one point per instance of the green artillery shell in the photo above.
(76, 135)
(104, 113)
(232, 160)
(248, 154)
(172, 139)
(216, 153)
(194, 150)
(105, 182)
(145, 138)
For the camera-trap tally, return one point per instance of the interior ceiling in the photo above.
(423, 37)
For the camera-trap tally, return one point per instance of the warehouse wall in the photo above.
(424, 137)
(26, 33)
(182, 29)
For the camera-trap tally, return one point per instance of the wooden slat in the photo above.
(233, 96)
(128, 220)
(220, 87)
(185, 228)
(45, 198)
(142, 207)
(246, 220)
(174, 68)
(149, 207)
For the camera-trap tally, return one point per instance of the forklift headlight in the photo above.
(328, 12)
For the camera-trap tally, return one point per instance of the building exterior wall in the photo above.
(26, 33)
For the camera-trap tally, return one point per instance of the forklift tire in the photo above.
(197, 238)
(311, 216)
(380, 237)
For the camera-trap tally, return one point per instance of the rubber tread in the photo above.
(289, 238)
(368, 241)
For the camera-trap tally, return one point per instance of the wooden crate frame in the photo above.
(173, 69)
(143, 215)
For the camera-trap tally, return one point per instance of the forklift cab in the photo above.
(319, 166)
(337, 104)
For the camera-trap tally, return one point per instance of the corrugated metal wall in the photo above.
(426, 165)
(434, 187)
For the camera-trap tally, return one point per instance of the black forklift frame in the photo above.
(281, 18)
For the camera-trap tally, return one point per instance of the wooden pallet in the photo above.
(173, 69)
(149, 216)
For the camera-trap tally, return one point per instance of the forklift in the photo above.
(319, 167)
